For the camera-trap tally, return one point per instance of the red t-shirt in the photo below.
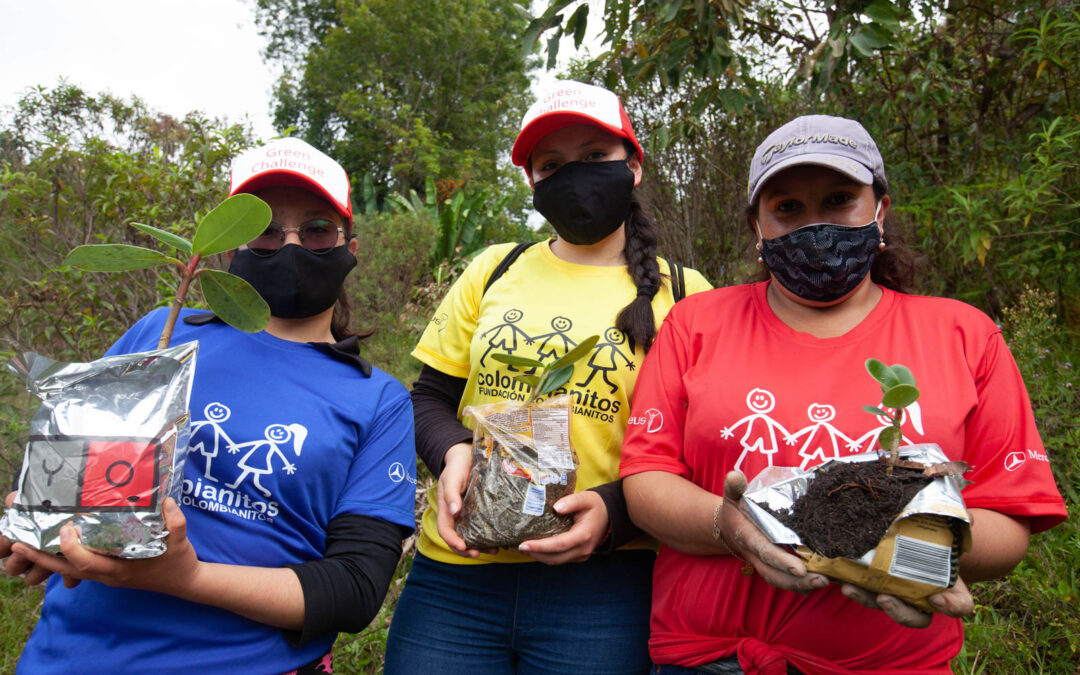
(727, 385)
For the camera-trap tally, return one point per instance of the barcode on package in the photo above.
(534, 500)
(919, 560)
(551, 436)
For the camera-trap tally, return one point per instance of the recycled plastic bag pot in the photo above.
(522, 464)
(918, 553)
(107, 445)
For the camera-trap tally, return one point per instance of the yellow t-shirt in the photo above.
(540, 309)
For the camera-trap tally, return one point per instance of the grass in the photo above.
(19, 608)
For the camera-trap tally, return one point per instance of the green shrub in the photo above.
(1029, 622)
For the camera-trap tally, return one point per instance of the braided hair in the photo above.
(636, 320)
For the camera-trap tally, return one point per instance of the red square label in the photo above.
(119, 473)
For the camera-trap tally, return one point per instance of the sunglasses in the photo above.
(318, 235)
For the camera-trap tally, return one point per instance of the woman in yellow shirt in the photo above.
(586, 609)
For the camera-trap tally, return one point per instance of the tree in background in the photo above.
(402, 90)
(975, 104)
(78, 169)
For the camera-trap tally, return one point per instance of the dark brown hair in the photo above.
(636, 320)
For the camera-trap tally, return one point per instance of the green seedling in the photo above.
(232, 223)
(898, 391)
(551, 376)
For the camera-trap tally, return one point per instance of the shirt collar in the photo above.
(346, 351)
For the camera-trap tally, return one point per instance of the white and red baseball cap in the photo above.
(290, 162)
(565, 103)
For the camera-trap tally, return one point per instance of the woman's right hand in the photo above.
(777, 566)
(457, 463)
(15, 563)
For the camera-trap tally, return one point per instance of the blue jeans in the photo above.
(525, 618)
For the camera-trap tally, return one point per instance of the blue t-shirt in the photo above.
(284, 438)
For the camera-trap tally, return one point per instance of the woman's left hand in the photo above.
(955, 602)
(171, 572)
(577, 543)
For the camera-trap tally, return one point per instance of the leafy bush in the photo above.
(1030, 621)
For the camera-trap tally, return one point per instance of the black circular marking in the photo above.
(126, 465)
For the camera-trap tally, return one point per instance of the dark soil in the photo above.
(849, 506)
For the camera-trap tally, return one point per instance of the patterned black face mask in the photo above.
(586, 201)
(295, 282)
(822, 262)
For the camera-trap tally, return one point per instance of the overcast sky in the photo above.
(176, 55)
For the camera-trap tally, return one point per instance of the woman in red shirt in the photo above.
(771, 374)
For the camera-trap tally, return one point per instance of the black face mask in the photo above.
(586, 201)
(294, 281)
(822, 262)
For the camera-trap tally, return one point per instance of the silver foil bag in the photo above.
(917, 556)
(107, 445)
(777, 488)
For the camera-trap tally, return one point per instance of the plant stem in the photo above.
(178, 301)
(894, 445)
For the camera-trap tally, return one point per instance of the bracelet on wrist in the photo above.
(747, 568)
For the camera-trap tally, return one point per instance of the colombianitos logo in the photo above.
(1015, 460)
(652, 420)
(280, 448)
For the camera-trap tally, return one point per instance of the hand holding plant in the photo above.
(522, 458)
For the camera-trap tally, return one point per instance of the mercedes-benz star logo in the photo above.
(1014, 460)
(397, 472)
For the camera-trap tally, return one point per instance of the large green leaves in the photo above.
(553, 379)
(889, 438)
(234, 300)
(115, 258)
(898, 391)
(576, 353)
(900, 396)
(234, 222)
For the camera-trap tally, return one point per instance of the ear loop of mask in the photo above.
(757, 227)
(881, 226)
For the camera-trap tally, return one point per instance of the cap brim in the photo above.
(850, 168)
(553, 121)
(286, 178)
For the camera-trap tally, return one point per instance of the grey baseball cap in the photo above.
(822, 140)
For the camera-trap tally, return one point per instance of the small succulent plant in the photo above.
(898, 391)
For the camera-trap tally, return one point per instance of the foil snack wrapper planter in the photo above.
(107, 445)
(917, 556)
